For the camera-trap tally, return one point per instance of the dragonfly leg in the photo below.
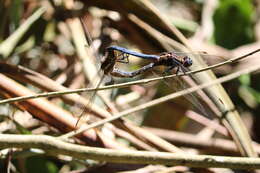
(183, 70)
(127, 58)
(178, 69)
(124, 58)
(167, 71)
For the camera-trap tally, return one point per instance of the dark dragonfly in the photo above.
(170, 60)
(111, 58)
(116, 54)
(167, 59)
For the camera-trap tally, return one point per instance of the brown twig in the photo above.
(127, 84)
(163, 99)
(55, 146)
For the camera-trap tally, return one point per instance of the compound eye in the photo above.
(187, 61)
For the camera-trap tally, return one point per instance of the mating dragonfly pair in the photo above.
(116, 54)
(167, 59)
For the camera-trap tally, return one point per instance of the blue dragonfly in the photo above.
(167, 59)
(170, 60)
(117, 54)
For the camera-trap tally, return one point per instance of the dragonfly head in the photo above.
(187, 61)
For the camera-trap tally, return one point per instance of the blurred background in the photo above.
(47, 40)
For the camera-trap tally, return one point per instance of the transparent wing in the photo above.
(92, 71)
(209, 59)
(204, 55)
(183, 82)
(196, 99)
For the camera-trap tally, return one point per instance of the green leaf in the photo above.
(234, 23)
(245, 79)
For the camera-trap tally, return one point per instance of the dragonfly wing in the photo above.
(208, 59)
(91, 65)
(90, 100)
(179, 83)
(204, 55)
(184, 82)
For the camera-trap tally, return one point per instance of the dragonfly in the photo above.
(116, 54)
(167, 59)
(170, 60)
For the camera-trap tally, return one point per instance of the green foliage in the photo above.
(233, 23)
(15, 12)
(245, 79)
(40, 164)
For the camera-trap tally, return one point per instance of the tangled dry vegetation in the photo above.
(48, 77)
